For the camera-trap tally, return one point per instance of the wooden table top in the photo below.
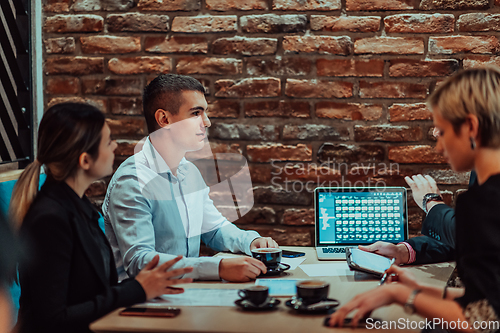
(233, 320)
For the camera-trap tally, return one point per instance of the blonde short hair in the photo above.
(471, 92)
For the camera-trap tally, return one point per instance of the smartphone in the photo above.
(168, 312)
(291, 254)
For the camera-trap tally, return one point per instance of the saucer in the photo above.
(276, 271)
(320, 307)
(270, 304)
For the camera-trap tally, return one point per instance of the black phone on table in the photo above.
(292, 254)
(167, 312)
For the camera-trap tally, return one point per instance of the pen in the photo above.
(384, 277)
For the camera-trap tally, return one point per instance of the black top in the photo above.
(478, 242)
(68, 282)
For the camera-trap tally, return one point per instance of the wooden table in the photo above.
(232, 319)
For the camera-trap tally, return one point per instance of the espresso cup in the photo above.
(270, 256)
(312, 291)
(256, 295)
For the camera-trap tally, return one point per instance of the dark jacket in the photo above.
(438, 228)
(66, 284)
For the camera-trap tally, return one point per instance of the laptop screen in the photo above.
(352, 216)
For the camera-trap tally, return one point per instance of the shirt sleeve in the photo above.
(130, 213)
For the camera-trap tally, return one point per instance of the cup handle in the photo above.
(242, 294)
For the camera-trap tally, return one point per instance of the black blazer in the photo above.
(64, 286)
(438, 228)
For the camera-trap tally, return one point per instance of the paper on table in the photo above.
(198, 297)
(330, 269)
(279, 287)
(293, 262)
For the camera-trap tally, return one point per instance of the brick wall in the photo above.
(305, 83)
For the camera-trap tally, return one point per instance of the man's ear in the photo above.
(84, 161)
(163, 118)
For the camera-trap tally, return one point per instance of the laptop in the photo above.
(351, 216)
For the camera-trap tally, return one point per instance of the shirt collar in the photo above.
(158, 164)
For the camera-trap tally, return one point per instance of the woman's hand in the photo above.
(365, 303)
(158, 280)
(402, 276)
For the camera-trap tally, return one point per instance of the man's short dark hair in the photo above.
(164, 92)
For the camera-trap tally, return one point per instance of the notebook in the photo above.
(351, 216)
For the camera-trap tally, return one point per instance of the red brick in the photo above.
(73, 23)
(286, 236)
(348, 111)
(415, 155)
(55, 6)
(110, 44)
(313, 132)
(62, 86)
(458, 44)
(497, 2)
(203, 65)
(387, 133)
(279, 152)
(260, 173)
(389, 45)
(127, 126)
(479, 61)
(137, 65)
(245, 46)
(97, 102)
(125, 147)
(279, 196)
(112, 86)
(317, 44)
(97, 188)
(278, 66)
(453, 4)
(228, 5)
(392, 89)
(99, 5)
(206, 23)
(170, 5)
(258, 87)
(344, 153)
(318, 88)
(422, 68)
(256, 215)
(243, 132)
(136, 22)
(293, 216)
(419, 23)
(409, 112)
(306, 5)
(345, 23)
(176, 44)
(278, 109)
(304, 173)
(360, 5)
(350, 67)
(272, 23)
(126, 106)
(448, 176)
(223, 109)
(74, 65)
(479, 22)
(60, 45)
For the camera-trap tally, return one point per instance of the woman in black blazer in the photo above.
(70, 279)
(466, 113)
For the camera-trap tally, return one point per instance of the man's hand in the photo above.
(398, 252)
(240, 269)
(263, 242)
(420, 186)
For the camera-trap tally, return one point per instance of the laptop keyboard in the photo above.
(334, 250)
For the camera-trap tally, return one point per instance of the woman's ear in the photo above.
(472, 126)
(163, 118)
(84, 161)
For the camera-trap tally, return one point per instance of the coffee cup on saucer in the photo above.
(312, 291)
(270, 256)
(257, 295)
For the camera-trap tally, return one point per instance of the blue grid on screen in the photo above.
(361, 217)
